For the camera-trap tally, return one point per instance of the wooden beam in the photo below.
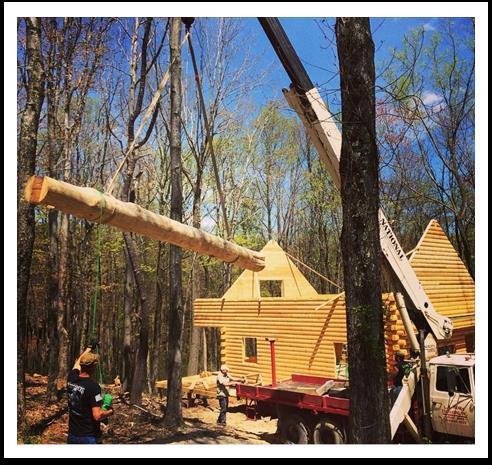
(88, 203)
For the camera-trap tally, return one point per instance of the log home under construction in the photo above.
(310, 328)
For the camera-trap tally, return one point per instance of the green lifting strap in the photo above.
(102, 206)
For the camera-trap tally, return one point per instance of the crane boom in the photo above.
(305, 100)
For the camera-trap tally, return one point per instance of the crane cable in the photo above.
(314, 271)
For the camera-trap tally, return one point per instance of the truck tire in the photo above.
(294, 429)
(328, 431)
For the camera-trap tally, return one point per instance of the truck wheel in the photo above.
(327, 431)
(294, 429)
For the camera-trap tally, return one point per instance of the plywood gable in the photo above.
(444, 277)
(278, 268)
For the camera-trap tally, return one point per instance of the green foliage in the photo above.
(147, 268)
(113, 244)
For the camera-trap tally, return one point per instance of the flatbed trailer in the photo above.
(300, 391)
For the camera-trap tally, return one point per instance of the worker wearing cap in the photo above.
(224, 380)
(85, 401)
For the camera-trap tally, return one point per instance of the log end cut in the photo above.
(36, 189)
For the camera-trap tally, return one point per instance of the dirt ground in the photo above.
(130, 425)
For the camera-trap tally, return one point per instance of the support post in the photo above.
(272, 356)
(205, 355)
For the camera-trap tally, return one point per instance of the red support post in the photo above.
(272, 356)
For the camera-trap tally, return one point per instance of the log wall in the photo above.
(306, 332)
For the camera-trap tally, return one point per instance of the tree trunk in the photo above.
(26, 157)
(53, 155)
(136, 377)
(128, 365)
(195, 339)
(126, 379)
(174, 415)
(368, 421)
(61, 304)
(53, 256)
(156, 345)
(139, 374)
(52, 292)
(61, 301)
(196, 333)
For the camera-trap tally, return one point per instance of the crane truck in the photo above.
(307, 412)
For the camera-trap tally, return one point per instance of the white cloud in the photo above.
(430, 98)
(429, 27)
(435, 103)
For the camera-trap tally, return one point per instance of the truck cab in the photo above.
(452, 394)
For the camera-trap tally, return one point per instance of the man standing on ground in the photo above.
(85, 401)
(223, 383)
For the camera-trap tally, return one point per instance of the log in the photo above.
(87, 203)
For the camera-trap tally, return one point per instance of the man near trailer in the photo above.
(224, 380)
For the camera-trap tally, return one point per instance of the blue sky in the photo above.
(314, 41)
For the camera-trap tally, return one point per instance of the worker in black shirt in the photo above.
(85, 401)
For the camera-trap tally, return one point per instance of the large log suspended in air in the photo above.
(92, 205)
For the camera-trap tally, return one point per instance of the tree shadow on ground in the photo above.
(239, 408)
(204, 433)
(271, 438)
(202, 436)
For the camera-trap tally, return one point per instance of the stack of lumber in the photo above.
(203, 385)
